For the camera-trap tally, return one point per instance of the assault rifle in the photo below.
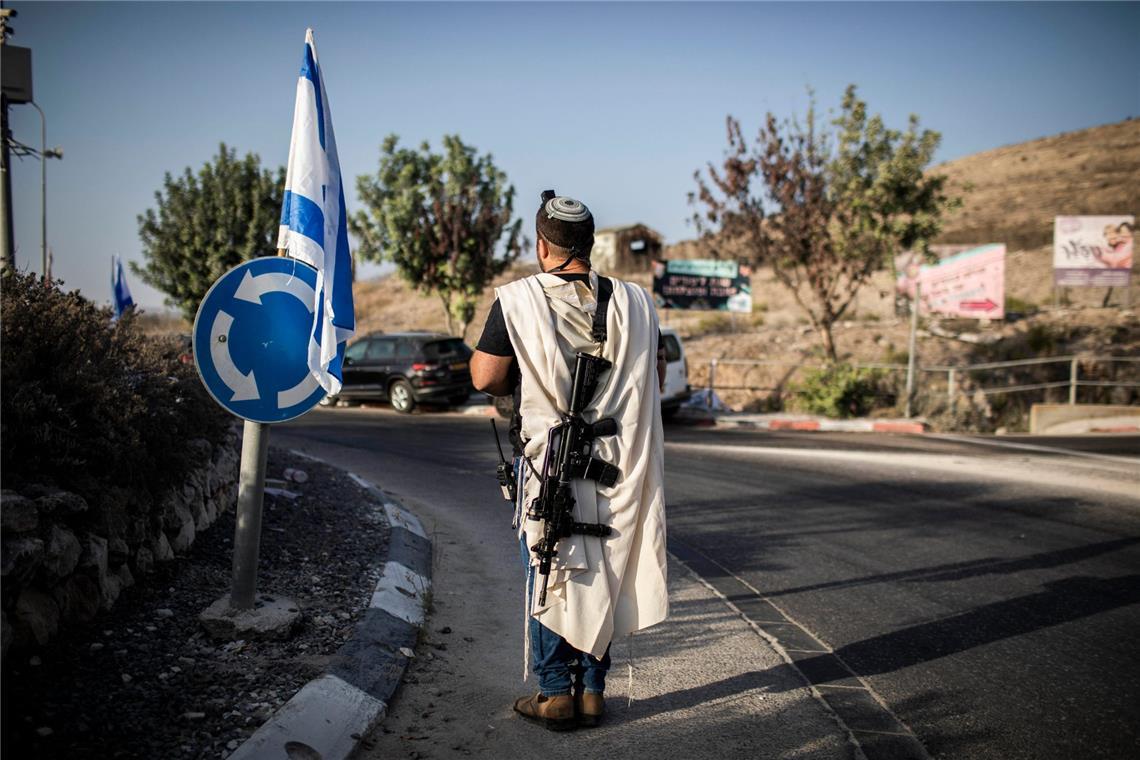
(568, 457)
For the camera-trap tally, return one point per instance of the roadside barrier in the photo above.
(953, 374)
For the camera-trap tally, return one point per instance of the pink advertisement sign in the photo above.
(967, 284)
(1092, 250)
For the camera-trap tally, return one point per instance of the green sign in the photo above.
(702, 284)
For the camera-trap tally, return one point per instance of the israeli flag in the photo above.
(313, 225)
(120, 294)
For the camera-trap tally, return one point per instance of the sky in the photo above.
(614, 103)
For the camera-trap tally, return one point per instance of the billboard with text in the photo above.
(1092, 250)
(969, 283)
(708, 284)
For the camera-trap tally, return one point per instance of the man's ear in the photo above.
(543, 249)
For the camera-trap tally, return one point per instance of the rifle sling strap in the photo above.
(605, 290)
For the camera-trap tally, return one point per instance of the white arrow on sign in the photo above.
(253, 288)
(298, 392)
(244, 386)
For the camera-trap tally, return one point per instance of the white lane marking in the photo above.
(253, 288)
(244, 386)
(1100, 476)
(783, 652)
(1135, 461)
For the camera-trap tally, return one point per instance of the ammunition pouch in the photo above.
(591, 468)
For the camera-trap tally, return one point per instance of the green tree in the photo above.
(443, 219)
(825, 211)
(207, 223)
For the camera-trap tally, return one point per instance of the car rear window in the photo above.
(445, 349)
(382, 348)
(672, 348)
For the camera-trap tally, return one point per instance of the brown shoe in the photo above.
(554, 713)
(589, 708)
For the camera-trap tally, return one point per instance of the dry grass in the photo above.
(1011, 194)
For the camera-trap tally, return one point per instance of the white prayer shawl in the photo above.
(599, 588)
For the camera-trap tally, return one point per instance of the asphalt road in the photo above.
(980, 593)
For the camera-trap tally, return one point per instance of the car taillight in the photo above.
(418, 367)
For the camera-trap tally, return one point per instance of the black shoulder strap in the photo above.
(605, 290)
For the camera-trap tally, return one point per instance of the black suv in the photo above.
(405, 369)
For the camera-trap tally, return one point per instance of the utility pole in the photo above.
(16, 87)
(7, 248)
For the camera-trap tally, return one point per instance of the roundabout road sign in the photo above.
(251, 339)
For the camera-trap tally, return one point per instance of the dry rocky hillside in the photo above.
(1011, 195)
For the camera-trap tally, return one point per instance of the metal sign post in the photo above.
(247, 527)
(251, 340)
(914, 307)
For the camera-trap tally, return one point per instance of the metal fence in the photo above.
(953, 374)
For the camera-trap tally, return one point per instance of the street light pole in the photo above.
(43, 187)
(45, 154)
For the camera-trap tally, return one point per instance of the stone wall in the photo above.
(63, 561)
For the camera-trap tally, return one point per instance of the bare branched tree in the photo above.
(823, 211)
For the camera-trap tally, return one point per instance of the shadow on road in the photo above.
(956, 571)
(1060, 602)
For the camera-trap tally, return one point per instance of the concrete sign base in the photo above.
(272, 617)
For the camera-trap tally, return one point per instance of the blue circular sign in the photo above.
(251, 339)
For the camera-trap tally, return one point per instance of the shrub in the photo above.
(92, 407)
(894, 355)
(1020, 306)
(838, 390)
(1042, 339)
(714, 324)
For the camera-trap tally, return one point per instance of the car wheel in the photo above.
(400, 394)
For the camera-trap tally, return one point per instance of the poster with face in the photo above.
(1093, 250)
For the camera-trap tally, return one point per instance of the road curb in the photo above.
(803, 424)
(332, 713)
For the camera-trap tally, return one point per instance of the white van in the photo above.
(677, 390)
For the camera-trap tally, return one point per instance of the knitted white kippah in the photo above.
(566, 209)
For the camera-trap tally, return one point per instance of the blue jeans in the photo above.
(558, 665)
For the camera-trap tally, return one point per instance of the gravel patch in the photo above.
(144, 680)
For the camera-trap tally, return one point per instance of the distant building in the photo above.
(631, 248)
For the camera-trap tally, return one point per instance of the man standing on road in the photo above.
(599, 588)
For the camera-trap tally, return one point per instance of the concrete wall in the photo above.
(1067, 419)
